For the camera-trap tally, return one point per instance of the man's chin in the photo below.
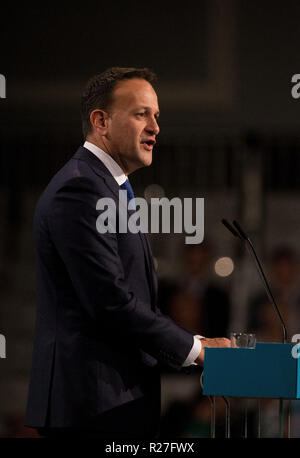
(146, 158)
(142, 159)
(147, 162)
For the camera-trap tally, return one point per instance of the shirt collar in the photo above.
(108, 161)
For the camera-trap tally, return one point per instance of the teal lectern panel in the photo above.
(267, 371)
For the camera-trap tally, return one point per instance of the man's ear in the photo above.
(98, 119)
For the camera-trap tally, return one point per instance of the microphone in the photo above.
(229, 227)
(237, 231)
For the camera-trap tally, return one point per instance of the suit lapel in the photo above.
(100, 169)
(150, 268)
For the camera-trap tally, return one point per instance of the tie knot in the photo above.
(130, 194)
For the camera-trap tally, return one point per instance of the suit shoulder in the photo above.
(74, 179)
(73, 175)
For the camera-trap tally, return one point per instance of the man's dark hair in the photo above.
(99, 89)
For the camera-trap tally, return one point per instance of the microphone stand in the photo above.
(237, 231)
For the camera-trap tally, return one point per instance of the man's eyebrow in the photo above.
(147, 108)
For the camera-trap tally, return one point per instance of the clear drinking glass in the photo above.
(242, 340)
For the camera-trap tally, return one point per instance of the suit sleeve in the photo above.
(97, 275)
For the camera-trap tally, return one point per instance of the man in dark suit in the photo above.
(100, 337)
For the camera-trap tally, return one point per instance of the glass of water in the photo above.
(242, 340)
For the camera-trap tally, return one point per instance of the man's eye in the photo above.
(140, 114)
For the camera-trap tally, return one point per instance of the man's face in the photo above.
(132, 124)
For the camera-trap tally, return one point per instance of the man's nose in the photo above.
(153, 127)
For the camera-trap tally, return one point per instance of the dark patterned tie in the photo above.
(130, 194)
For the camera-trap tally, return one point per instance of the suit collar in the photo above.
(108, 161)
(99, 168)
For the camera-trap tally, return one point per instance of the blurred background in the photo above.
(229, 133)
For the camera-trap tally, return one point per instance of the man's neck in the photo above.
(106, 150)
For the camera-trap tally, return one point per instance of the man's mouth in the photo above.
(148, 144)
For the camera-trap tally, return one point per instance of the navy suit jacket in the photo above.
(100, 338)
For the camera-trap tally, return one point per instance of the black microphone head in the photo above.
(240, 230)
(229, 227)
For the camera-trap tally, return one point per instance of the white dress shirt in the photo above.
(120, 177)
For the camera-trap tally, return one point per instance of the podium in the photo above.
(267, 371)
